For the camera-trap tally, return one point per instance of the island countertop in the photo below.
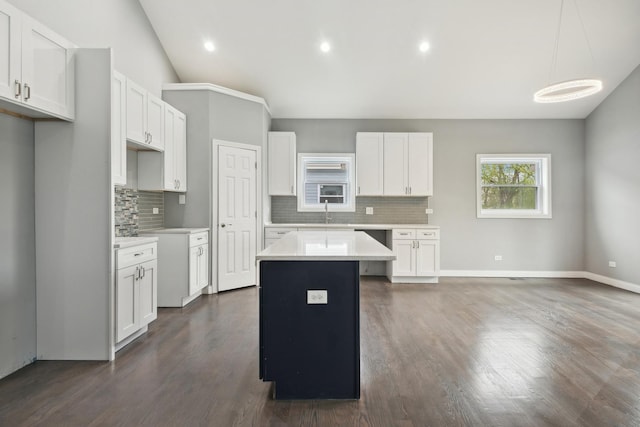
(327, 246)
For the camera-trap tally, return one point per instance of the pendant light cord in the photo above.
(586, 37)
(554, 56)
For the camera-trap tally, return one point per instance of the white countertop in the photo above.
(327, 246)
(354, 226)
(127, 242)
(174, 231)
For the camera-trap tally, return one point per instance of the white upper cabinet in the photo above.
(118, 130)
(408, 164)
(145, 117)
(282, 163)
(369, 164)
(396, 164)
(167, 170)
(36, 66)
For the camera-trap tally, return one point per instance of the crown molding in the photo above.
(218, 89)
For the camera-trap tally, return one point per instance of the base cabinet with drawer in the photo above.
(184, 256)
(136, 289)
(417, 254)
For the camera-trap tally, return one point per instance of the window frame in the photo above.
(350, 196)
(543, 183)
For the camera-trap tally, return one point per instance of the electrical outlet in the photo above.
(369, 210)
(182, 199)
(612, 264)
(316, 296)
(156, 211)
(498, 258)
(428, 211)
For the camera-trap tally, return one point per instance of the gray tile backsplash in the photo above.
(386, 210)
(134, 211)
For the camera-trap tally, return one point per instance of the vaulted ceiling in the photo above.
(486, 57)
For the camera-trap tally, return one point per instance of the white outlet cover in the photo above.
(369, 210)
(317, 296)
(498, 258)
(182, 199)
(156, 211)
(613, 264)
(428, 211)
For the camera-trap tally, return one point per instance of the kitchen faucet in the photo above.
(326, 212)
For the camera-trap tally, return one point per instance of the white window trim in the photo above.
(544, 196)
(351, 206)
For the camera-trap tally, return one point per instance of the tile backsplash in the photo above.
(386, 210)
(134, 211)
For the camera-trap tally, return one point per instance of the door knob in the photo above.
(224, 225)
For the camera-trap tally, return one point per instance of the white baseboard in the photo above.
(549, 274)
(613, 282)
(512, 273)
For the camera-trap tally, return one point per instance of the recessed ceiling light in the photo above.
(325, 47)
(209, 46)
(424, 46)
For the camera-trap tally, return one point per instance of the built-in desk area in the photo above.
(310, 312)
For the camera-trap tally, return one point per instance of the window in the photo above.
(326, 179)
(513, 185)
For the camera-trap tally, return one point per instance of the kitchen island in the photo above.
(310, 312)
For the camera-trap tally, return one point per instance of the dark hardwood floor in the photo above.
(464, 352)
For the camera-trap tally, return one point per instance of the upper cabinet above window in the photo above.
(36, 67)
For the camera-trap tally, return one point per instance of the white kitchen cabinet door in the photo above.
(194, 255)
(404, 264)
(118, 130)
(180, 150)
(369, 163)
(148, 292)
(47, 69)
(420, 164)
(169, 164)
(126, 302)
(155, 122)
(10, 52)
(282, 163)
(203, 267)
(395, 164)
(427, 258)
(136, 113)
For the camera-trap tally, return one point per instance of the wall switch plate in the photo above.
(428, 211)
(498, 258)
(369, 210)
(612, 264)
(156, 211)
(316, 296)
(182, 199)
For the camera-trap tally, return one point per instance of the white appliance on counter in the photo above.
(183, 259)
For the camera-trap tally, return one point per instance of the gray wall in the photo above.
(17, 245)
(120, 24)
(469, 243)
(613, 183)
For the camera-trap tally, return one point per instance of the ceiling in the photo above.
(486, 60)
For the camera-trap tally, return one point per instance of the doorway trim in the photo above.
(213, 241)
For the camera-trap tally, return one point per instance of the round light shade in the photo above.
(567, 91)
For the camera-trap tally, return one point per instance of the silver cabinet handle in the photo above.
(151, 140)
(179, 184)
(137, 275)
(418, 244)
(409, 190)
(18, 89)
(358, 189)
(143, 271)
(292, 189)
(27, 92)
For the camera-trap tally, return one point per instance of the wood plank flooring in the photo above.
(464, 352)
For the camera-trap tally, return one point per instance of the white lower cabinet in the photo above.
(135, 289)
(184, 255)
(417, 254)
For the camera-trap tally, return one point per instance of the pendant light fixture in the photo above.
(571, 89)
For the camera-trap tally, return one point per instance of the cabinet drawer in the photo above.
(403, 233)
(135, 255)
(198, 239)
(428, 234)
(277, 232)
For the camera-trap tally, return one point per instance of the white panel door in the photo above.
(194, 258)
(203, 267)
(395, 164)
(237, 221)
(404, 264)
(369, 163)
(420, 164)
(155, 121)
(180, 150)
(282, 163)
(10, 47)
(170, 180)
(136, 113)
(427, 258)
